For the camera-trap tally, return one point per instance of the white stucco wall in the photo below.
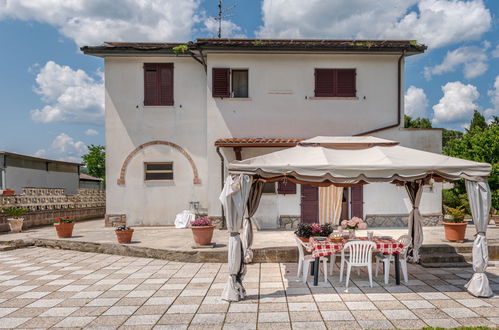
(130, 124)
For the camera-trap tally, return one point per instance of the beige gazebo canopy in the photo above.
(345, 161)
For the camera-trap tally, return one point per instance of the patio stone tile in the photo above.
(142, 320)
(241, 317)
(274, 307)
(308, 325)
(214, 300)
(414, 304)
(353, 297)
(176, 318)
(291, 299)
(87, 294)
(208, 319)
(376, 324)
(332, 306)
(433, 295)
(273, 317)
(360, 305)
(89, 311)
(408, 324)
(151, 310)
(473, 302)
(431, 313)
(337, 315)
(12, 322)
(446, 303)
(243, 308)
(103, 302)
(459, 312)
(59, 311)
(380, 296)
(300, 307)
(213, 308)
(442, 323)
(408, 296)
(342, 325)
(368, 315)
(494, 320)
(389, 304)
(327, 297)
(127, 301)
(274, 326)
(189, 300)
(476, 321)
(486, 311)
(183, 309)
(399, 314)
(305, 316)
(121, 310)
(45, 303)
(28, 312)
(76, 321)
(160, 301)
(7, 311)
(42, 322)
(239, 326)
(107, 320)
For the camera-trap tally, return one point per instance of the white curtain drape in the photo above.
(415, 192)
(234, 197)
(479, 197)
(252, 205)
(330, 200)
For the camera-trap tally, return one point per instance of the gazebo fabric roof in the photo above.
(349, 160)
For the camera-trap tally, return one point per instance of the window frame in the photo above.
(146, 171)
(333, 93)
(232, 83)
(269, 193)
(158, 66)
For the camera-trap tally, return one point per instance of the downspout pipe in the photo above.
(399, 100)
(222, 172)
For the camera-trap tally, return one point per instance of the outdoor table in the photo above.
(327, 247)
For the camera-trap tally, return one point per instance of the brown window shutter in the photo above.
(150, 84)
(324, 82)
(286, 187)
(165, 83)
(220, 82)
(357, 201)
(345, 82)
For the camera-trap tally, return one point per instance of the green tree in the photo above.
(416, 123)
(95, 161)
(449, 135)
(477, 122)
(481, 145)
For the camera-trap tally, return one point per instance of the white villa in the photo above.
(176, 114)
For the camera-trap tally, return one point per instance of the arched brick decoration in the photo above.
(196, 179)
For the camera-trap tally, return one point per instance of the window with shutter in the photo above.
(335, 82)
(221, 82)
(286, 187)
(158, 84)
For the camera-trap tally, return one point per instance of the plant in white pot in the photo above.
(16, 220)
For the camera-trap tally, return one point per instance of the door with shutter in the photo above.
(309, 204)
(357, 201)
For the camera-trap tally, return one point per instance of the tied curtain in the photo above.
(252, 205)
(330, 200)
(479, 197)
(415, 192)
(234, 197)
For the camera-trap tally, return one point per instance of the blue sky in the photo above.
(51, 94)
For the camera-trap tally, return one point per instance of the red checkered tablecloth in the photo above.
(325, 248)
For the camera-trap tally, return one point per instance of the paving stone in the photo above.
(459, 312)
(76, 321)
(208, 319)
(368, 315)
(42, 322)
(59, 311)
(12, 322)
(399, 314)
(337, 315)
(376, 324)
(121, 310)
(360, 305)
(274, 326)
(408, 324)
(473, 302)
(273, 317)
(415, 304)
(243, 308)
(442, 323)
(183, 309)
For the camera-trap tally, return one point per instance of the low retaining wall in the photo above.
(47, 217)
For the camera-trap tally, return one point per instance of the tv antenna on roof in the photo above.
(223, 13)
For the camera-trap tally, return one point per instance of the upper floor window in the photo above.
(224, 86)
(158, 171)
(158, 84)
(335, 83)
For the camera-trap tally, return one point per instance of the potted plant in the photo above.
(306, 230)
(455, 226)
(16, 220)
(353, 224)
(124, 234)
(202, 230)
(64, 227)
(8, 192)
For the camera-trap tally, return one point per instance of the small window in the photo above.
(269, 188)
(158, 84)
(286, 187)
(158, 171)
(240, 83)
(335, 83)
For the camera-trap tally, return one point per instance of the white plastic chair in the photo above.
(305, 260)
(388, 258)
(360, 256)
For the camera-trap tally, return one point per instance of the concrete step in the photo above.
(446, 264)
(446, 257)
(445, 248)
(6, 248)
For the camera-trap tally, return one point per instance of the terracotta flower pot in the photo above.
(9, 192)
(124, 236)
(304, 239)
(455, 232)
(15, 224)
(64, 230)
(202, 234)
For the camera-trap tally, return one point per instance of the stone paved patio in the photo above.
(44, 288)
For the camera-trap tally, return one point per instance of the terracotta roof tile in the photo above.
(257, 142)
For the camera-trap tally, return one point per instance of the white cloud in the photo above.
(66, 148)
(229, 29)
(457, 104)
(494, 99)
(40, 153)
(91, 131)
(472, 58)
(495, 52)
(72, 95)
(435, 22)
(90, 22)
(415, 102)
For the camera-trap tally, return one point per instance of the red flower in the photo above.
(67, 218)
(58, 219)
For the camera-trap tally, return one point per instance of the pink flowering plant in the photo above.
(354, 223)
(307, 230)
(201, 221)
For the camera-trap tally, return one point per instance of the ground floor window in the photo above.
(158, 171)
